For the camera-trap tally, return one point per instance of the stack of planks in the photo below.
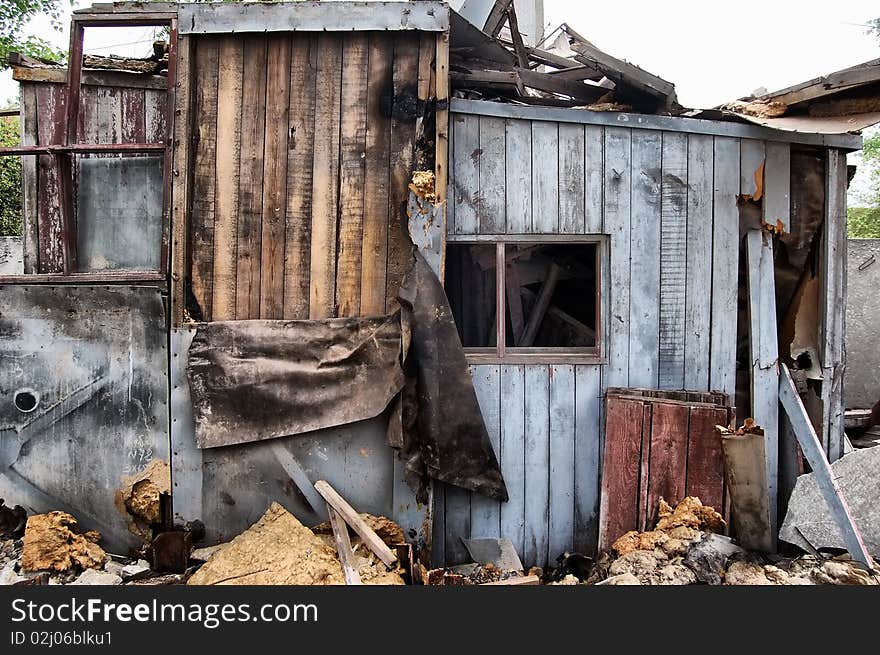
(659, 444)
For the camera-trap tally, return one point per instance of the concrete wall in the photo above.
(11, 256)
(862, 377)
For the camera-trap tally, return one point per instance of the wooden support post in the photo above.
(496, 18)
(815, 454)
(545, 295)
(441, 145)
(764, 357)
(522, 55)
(833, 290)
(343, 547)
(364, 531)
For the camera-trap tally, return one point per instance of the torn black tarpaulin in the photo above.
(453, 444)
(259, 379)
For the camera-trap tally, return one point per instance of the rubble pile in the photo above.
(686, 548)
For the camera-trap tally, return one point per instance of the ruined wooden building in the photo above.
(261, 173)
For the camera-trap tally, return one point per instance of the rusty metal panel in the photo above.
(229, 488)
(83, 398)
(119, 213)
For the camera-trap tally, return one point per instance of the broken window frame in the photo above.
(65, 152)
(504, 354)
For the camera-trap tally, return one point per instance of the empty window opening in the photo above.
(547, 293)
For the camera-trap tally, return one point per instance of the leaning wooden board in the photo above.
(655, 447)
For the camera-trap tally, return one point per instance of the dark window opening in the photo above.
(550, 295)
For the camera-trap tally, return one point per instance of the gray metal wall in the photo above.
(667, 201)
(862, 376)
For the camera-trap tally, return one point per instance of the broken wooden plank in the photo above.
(624, 73)
(826, 85)
(583, 93)
(364, 531)
(298, 474)
(536, 317)
(497, 17)
(814, 452)
(620, 473)
(519, 48)
(763, 356)
(343, 547)
(516, 580)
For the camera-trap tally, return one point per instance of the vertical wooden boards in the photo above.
(492, 200)
(325, 177)
(405, 74)
(301, 128)
(352, 181)
(29, 202)
(725, 266)
(485, 511)
(668, 458)
(763, 355)
(617, 225)
(777, 187)
(537, 463)
(180, 186)
(644, 316)
(594, 149)
(513, 454)
(374, 254)
(518, 167)
(673, 259)
(274, 209)
(572, 178)
(226, 196)
(562, 461)
(587, 438)
(705, 470)
(620, 470)
(832, 324)
(250, 188)
(545, 177)
(201, 231)
(50, 103)
(698, 305)
(465, 172)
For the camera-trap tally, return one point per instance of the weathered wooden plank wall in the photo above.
(109, 113)
(667, 201)
(305, 146)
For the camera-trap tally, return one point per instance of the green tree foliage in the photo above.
(10, 180)
(15, 15)
(863, 222)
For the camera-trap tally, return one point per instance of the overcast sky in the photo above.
(712, 51)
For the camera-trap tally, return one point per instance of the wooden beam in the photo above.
(518, 580)
(553, 84)
(623, 72)
(343, 547)
(180, 188)
(519, 48)
(822, 472)
(441, 144)
(763, 355)
(497, 17)
(545, 295)
(217, 18)
(578, 73)
(90, 78)
(364, 531)
(826, 85)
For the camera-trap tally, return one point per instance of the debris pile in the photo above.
(54, 542)
(686, 548)
(140, 497)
